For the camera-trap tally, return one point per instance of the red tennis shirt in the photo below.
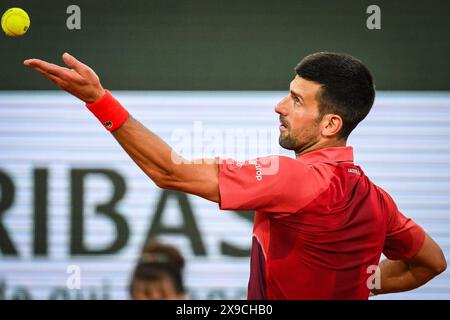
(320, 224)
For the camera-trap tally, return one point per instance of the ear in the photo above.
(331, 125)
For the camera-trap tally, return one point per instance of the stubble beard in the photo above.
(287, 141)
(298, 144)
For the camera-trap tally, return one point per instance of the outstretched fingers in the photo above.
(75, 64)
(78, 79)
(55, 79)
(47, 67)
(52, 71)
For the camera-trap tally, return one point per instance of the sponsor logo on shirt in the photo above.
(258, 172)
(258, 168)
(355, 171)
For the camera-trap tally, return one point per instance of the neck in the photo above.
(321, 145)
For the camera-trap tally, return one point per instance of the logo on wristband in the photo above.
(108, 124)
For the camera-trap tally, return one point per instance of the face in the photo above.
(299, 116)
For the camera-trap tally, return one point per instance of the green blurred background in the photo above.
(230, 45)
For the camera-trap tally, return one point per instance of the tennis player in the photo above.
(320, 224)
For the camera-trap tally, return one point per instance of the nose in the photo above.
(281, 107)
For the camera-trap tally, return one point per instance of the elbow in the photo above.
(433, 254)
(162, 183)
(161, 180)
(441, 266)
(444, 266)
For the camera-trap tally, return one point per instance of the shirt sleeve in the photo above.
(404, 237)
(269, 184)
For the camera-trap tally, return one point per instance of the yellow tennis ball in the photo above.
(15, 22)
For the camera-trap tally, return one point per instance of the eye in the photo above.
(296, 100)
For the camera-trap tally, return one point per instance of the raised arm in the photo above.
(167, 169)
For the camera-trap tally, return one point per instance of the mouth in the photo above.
(283, 125)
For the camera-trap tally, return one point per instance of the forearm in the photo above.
(398, 276)
(147, 150)
(164, 166)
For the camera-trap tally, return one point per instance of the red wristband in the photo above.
(109, 111)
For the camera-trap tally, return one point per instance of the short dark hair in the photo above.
(159, 261)
(347, 86)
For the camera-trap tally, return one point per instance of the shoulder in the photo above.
(386, 201)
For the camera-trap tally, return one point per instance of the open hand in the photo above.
(79, 79)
